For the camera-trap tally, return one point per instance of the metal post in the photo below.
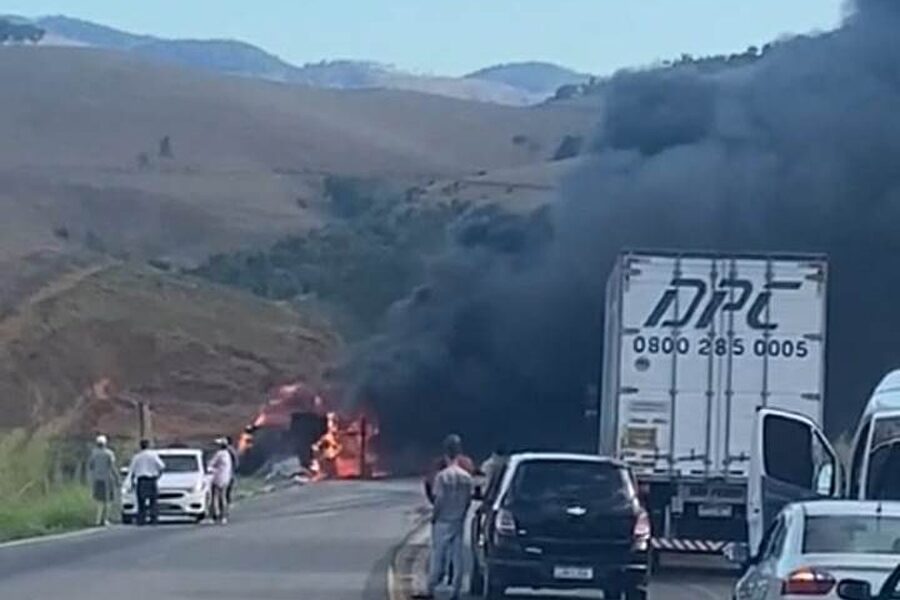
(363, 464)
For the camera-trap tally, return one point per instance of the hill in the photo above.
(234, 57)
(82, 134)
(103, 335)
(538, 78)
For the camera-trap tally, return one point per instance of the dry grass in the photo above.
(203, 355)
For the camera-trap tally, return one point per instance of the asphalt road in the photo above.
(330, 541)
(325, 541)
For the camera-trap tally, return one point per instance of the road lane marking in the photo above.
(56, 537)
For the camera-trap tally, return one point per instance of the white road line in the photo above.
(54, 537)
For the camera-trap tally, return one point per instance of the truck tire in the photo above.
(127, 519)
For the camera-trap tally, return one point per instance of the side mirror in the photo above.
(737, 553)
(826, 480)
(853, 589)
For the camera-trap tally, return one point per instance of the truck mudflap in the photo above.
(687, 546)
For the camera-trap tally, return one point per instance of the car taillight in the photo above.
(642, 530)
(807, 582)
(505, 522)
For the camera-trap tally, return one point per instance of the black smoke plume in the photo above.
(797, 151)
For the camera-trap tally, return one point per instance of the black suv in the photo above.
(568, 521)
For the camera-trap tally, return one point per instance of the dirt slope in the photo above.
(104, 335)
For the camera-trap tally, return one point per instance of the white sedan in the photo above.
(184, 487)
(826, 549)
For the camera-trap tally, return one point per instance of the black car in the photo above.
(567, 521)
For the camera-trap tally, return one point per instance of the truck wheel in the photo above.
(476, 580)
(636, 594)
(127, 519)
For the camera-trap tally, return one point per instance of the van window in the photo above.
(859, 453)
(788, 453)
(883, 481)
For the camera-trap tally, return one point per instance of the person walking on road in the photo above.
(221, 468)
(146, 467)
(452, 496)
(104, 478)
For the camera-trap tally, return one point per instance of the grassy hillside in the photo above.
(82, 132)
(100, 336)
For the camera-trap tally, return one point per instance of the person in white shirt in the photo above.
(221, 467)
(146, 467)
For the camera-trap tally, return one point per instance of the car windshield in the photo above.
(562, 479)
(180, 463)
(851, 535)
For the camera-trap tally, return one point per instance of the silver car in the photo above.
(826, 549)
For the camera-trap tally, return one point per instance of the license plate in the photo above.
(576, 573)
(714, 510)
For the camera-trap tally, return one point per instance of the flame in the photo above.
(344, 450)
(339, 453)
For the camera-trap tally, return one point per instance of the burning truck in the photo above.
(298, 421)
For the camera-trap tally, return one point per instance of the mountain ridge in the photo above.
(518, 84)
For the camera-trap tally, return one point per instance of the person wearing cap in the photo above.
(221, 468)
(104, 478)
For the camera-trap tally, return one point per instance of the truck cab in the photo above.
(792, 460)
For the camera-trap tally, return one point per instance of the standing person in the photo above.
(494, 463)
(146, 467)
(452, 495)
(232, 451)
(104, 478)
(222, 470)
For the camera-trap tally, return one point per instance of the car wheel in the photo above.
(127, 519)
(492, 587)
(636, 594)
(199, 518)
(476, 580)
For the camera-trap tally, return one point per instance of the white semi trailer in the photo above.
(697, 346)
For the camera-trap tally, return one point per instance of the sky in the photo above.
(453, 37)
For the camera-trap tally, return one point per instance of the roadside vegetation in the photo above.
(40, 492)
(370, 254)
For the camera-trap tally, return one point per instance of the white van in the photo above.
(791, 459)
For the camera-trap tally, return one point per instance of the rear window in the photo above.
(543, 479)
(180, 463)
(853, 534)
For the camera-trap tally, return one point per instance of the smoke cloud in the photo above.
(796, 151)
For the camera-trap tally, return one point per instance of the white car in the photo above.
(822, 549)
(184, 487)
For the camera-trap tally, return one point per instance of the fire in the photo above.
(345, 449)
(337, 445)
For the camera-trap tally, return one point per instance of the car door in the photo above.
(790, 460)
